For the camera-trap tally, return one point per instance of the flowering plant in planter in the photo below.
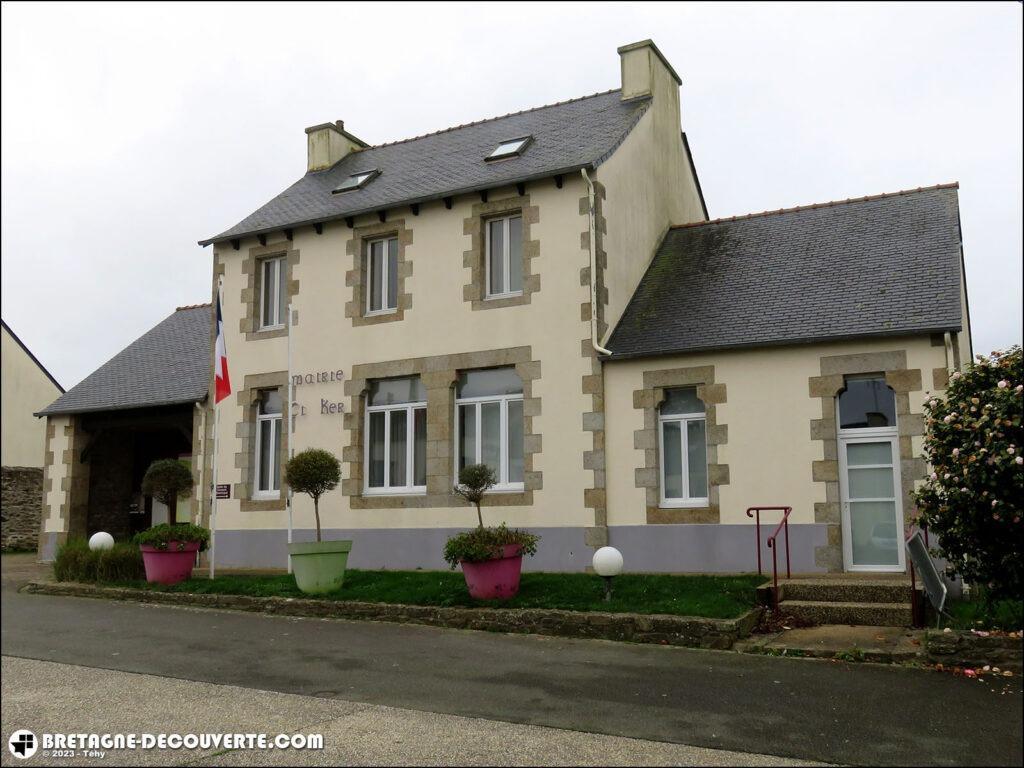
(180, 535)
(169, 551)
(973, 500)
(491, 558)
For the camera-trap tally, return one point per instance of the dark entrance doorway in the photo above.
(121, 446)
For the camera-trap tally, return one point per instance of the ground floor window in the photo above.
(396, 444)
(268, 444)
(489, 424)
(682, 434)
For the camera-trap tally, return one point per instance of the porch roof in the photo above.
(168, 364)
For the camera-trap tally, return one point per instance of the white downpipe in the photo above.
(291, 431)
(213, 496)
(593, 266)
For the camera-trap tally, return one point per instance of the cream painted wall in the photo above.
(57, 495)
(24, 389)
(768, 412)
(650, 186)
(440, 322)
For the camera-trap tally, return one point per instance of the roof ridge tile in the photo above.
(815, 206)
(491, 119)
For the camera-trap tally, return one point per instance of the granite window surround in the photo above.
(252, 271)
(245, 430)
(439, 376)
(356, 278)
(475, 259)
(826, 388)
(648, 477)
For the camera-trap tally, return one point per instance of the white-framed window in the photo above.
(382, 275)
(682, 440)
(268, 445)
(396, 437)
(273, 290)
(504, 256)
(489, 424)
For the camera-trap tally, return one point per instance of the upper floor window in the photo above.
(684, 454)
(489, 423)
(382, 265)
(273, 292)
(504, 256)
(396, 443)
(867, 403)
(268, 444)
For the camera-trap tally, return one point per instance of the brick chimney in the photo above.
(328, 143)
(646, 72)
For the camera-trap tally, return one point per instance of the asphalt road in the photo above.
(57, 698)
(825, 711)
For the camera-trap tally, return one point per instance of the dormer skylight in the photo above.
(356, 181)
(510, 148)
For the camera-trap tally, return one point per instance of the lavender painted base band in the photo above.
(650, 548)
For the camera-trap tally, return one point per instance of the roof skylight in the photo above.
(510, 148)
(356, 181)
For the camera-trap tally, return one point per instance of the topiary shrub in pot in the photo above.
(491, 558)
(319, 566)
(168, 550)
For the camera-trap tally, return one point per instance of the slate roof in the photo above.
(882, 265)
(566, 137)
(169, 364)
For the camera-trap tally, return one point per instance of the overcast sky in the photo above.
(130, 132)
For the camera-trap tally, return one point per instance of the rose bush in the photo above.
(973, 500)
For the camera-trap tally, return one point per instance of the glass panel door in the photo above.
(872, 514)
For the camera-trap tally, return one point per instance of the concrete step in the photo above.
(855, 613)
(846, 591)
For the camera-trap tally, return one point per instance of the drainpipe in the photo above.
(947, 339)
(593, 266)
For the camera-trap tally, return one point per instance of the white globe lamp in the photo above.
(607, 564)
(101, 540)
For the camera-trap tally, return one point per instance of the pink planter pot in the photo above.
(496, 579)
(171, 565)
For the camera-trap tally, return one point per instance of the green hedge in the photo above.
(76, 562)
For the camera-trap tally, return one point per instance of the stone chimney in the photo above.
(646, 72)
(327, 143)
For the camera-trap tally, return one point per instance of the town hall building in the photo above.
(544, 292)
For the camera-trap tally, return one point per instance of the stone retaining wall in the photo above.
(960, 648)
(21, 507)
(719, 634)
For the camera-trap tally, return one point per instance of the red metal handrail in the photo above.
(783, 525)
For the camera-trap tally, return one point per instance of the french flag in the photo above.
(223, 380)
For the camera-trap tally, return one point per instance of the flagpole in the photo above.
(213, 496)
(216, 438)
(291, 431)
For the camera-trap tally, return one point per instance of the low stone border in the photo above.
(688, 631)
(963, 648)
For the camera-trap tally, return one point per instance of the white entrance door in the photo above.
(872, 509)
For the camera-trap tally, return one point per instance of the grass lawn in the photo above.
(718, 597)
(973, 614)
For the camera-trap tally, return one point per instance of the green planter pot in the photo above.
(319, 566)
